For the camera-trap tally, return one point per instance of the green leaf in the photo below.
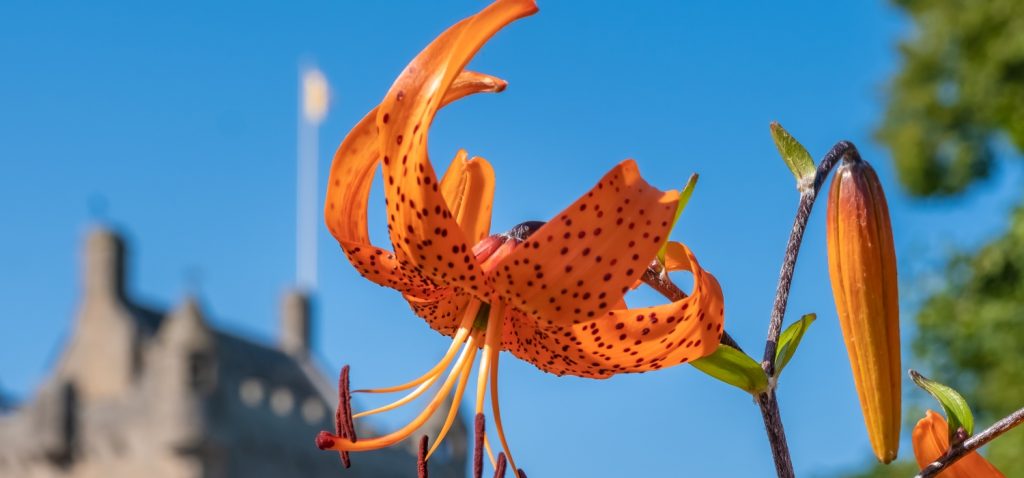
(734, 368)
(790, 340)
(794, 154)
(958, 413)
(684, 198)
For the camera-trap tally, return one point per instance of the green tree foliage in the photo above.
(960, 89)
(971, 333)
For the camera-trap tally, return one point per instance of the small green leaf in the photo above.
(684, 198)
(958, 413)
(790, 340)
(794, 154)
(734, 368)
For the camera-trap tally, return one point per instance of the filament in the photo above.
(464, 360)
(492, 347)
(456, 400)
(460, 337)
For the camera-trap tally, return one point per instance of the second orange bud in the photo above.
(862, 267)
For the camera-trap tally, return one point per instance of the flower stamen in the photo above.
(460, 337)
(478, 445)
(499, 468)
(421, 458)
(465, 360)
(492, 348)
(454, 410)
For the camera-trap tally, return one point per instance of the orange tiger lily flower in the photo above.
(549, 293)
(931, 442)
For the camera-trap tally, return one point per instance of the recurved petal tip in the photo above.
(931, 441)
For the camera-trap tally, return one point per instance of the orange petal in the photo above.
(468, 188)
(423, 230)
(348, 191)
(627, 340)
(442, 311)
(583, 261)
(931, 441)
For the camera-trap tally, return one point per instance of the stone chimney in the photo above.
(104, 268)
(185, 327)
(295, 324)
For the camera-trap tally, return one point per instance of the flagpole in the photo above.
(312, 109)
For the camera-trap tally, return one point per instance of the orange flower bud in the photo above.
(862, 266)
(931, 441)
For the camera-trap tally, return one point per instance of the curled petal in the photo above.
(423, 230)
(931, 442)
(628, 340)
(585, 259)
(468, 188)
(348, 191)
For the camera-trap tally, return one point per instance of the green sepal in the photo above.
(794, 154)
(958, 412)
(684, 198)
(790, 340)
(734, 368)
(480, 321)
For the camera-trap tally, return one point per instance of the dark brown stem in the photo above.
(767, 400)
(776, 433)
(803, 213)
(973, 443)
(662, 283)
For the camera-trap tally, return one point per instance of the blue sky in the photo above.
(179, 119)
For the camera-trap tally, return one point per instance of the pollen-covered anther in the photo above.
(421, 458)
(499, 469)
(478, 445)
(344, 429)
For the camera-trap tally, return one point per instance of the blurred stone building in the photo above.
(144, 393)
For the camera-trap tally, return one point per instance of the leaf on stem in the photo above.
(734, 368)
(790, 340)
(958, 413)
(684, 198)
(795, 156)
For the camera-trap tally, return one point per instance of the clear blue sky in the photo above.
(180, 117)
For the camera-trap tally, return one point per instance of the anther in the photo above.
(478, 446)
(421, 458)
(343, 425)
(499, 469)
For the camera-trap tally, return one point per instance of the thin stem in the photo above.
(769, 406)
(767, 400)
(973, 443)
(841, 150)
(663, 284)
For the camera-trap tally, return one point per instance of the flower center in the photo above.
(495, 248)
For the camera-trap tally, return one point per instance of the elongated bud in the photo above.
(862, 266)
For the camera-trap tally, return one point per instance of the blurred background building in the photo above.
(143, 392)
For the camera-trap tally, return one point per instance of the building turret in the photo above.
(295, 324)
(185, 373)
(103, 356)
(103, 271)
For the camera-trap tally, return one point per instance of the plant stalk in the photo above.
(767, 401)
(973, 443)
